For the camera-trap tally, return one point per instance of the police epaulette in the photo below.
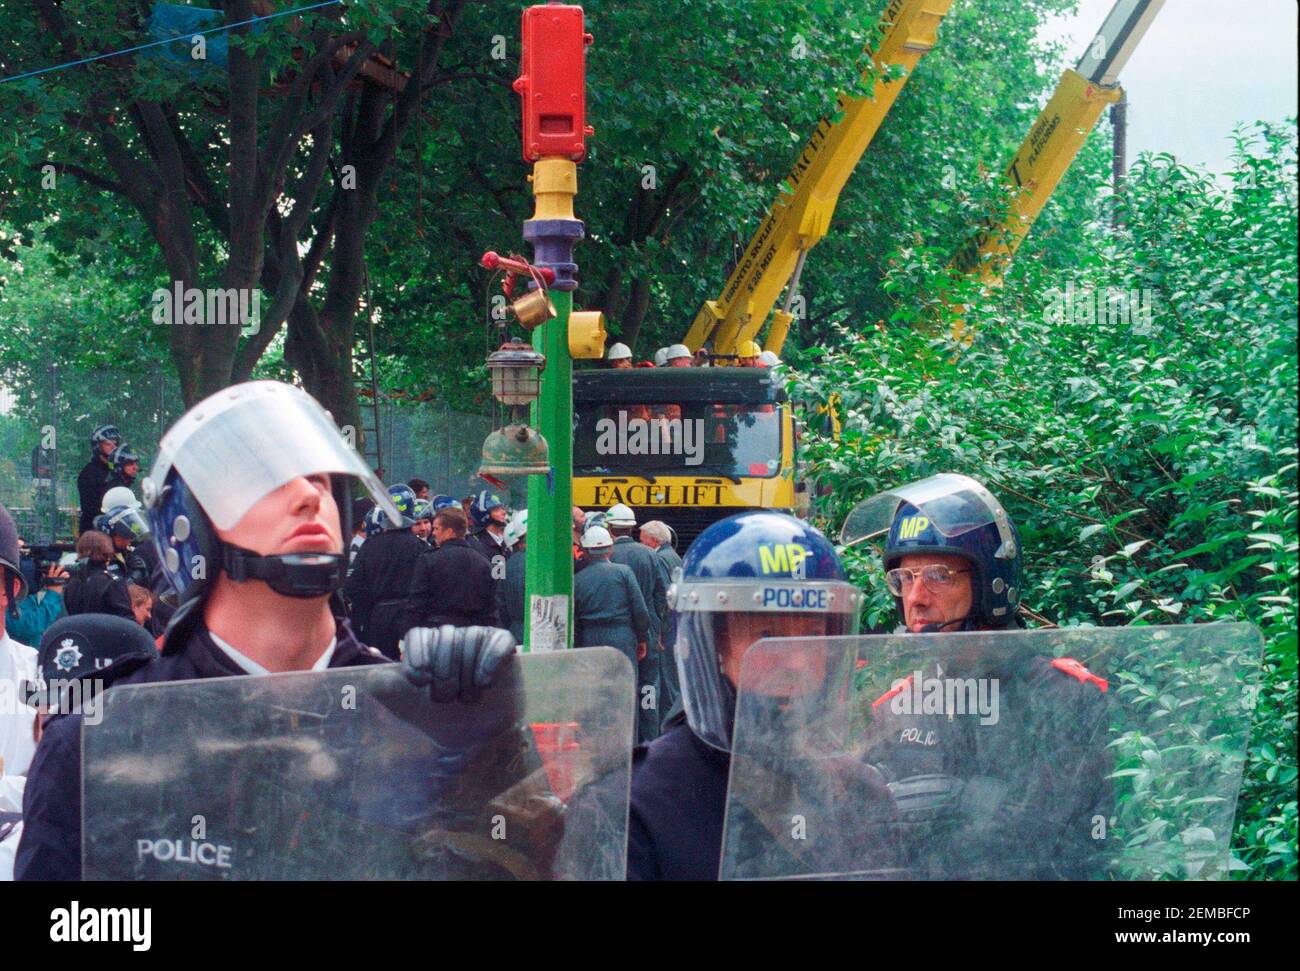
(1077, 671)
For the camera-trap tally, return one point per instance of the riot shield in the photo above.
(356, 774)
(1076, 754)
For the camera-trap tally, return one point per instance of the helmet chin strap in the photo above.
(302, 575)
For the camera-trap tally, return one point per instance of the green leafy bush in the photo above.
(1132, 402)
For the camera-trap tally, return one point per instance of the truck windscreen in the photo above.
(691, 438)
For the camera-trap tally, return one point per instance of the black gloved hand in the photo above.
(456, 662)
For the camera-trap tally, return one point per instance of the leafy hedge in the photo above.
(1145, 444)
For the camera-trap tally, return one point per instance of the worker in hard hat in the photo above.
(608, 609)
(747, 354)
(619, 356)
(679, 355)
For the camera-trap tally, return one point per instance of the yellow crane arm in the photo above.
(1056, 137)
(802, 211)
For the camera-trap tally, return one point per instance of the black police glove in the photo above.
(455, 662)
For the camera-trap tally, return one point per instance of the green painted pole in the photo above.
(549, 565)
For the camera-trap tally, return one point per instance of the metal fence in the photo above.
(429, 441)
(48, 412)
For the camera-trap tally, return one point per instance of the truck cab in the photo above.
(687, 446)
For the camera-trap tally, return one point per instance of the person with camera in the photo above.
(93, 588)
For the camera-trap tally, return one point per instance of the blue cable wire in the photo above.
(169, 40)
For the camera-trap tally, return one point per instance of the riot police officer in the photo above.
(380, 576)
(126, 466)
(453, 583)
(92, 480)
(252, 541)
(126, 527)
(744, 578)
(489, 515)
(1014, 799)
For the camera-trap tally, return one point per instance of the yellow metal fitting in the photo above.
(586, 335)
(555, 183)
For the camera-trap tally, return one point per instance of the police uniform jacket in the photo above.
(51, 840)
(1020, 796)
(92, 483)
(377, 586)
(93, 590)
(452, 584)
(510, 597)
(679, 798)
(488, 544)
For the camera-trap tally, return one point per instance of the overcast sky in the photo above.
(1203, 67)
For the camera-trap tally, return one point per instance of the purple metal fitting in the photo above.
(553, 241)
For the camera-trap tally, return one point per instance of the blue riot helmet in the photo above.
(220, 459)
(480, 509)
(423, 510)
(377, 521)
(403, 498)
(753, 575)
(104, 433)
(124, 521)
(949, 514)
(440, 502)
(122, 456)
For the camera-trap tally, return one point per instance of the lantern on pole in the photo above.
(516, 449)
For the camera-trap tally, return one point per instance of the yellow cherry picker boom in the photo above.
(1054, 140)
(690, 446)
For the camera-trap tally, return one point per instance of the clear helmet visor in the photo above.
(719, 621)
(132, 519)
(954, 504)
(244, 442)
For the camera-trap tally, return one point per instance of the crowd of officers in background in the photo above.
(457, 562)
(462, 563)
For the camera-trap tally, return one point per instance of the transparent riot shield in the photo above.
(1079, 754)
(356, 774)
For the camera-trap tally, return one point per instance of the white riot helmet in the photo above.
(597, 539)
(119, 496)
(620, 517)
(225, 454)
(661, 357)
(619, 352)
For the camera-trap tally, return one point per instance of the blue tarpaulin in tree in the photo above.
(175, 20)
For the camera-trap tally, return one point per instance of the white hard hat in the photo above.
(619, 352)
(679, 350)
(620, 515)
(119, 496)
(769, 359)
(661, 357)
(516, 527)
(597, 538)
